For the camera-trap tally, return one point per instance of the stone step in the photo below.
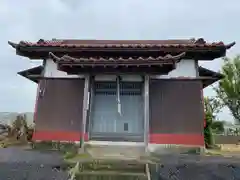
(108, 175)
(115, 151)
(114, 165)
(112, 169)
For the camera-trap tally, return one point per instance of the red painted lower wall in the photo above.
(58, 136)
(179, 139)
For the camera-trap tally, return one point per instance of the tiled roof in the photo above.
(168, 59)
(121, 43)
(207, 72)
(33, 73)
(207, 76)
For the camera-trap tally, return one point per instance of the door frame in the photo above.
(114, 136)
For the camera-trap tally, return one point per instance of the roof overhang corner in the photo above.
(228, 46)
(14, 45)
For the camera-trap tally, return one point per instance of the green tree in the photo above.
(212, 106)
(218, 127)
(228, 90)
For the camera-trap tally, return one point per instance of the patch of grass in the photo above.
(74, 158)
(192, 151)
(11, 142)
(214, 147)
(106, 168)
(69, 155)
(214, 153)
(234, 148)
(65, 148)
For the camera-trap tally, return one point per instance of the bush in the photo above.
(218, 127)
(208, 136)
(18, 133)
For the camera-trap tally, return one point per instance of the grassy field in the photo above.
(227, 150)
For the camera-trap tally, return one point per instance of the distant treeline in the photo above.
(9, 117)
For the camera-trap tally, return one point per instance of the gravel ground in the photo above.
(29, 171)
(18, 164)
(196, 171)
(30, 156)
(193, 167)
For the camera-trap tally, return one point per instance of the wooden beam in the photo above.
(146, 111)
(85, 105)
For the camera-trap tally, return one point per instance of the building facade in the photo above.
(121, 91)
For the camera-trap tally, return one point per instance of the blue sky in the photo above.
(106, 19)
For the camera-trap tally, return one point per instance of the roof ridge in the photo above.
(122, 43)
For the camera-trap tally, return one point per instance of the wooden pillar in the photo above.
(146, 111)
(85, 107)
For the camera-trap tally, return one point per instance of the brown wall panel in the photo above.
(176, 107)
(60, 105)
